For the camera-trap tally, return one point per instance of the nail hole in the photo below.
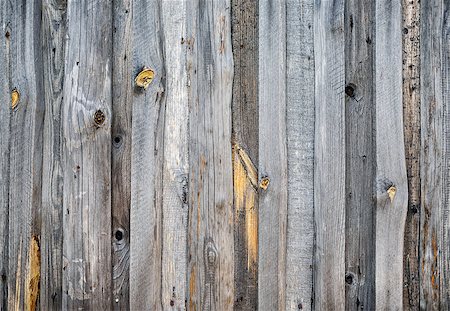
(117, 141)
(405, 31)
(349, 278)
(172, 303)
(118, 235)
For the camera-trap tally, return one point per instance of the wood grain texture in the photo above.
(411, 121)
(25, 162)
(210, 224)
(146, 159)
(175, 174)
(87, 156)
(53, 43)
(392, 187)
(245, 152)
(122, 89)
(300, 115)
(329, 165)
(272, 155)
(5, 117)
(434, 68)
(360, 156)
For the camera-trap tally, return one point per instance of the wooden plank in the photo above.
(53, 36)
(411, 120)
(25, 161)
(272, 155)
(175, 175)
(435, 120)
(300, 152)
(121, 152)
(329, 166)
(146, 159)
(210, 225)
(5, 116)
(392, 187)
(86, 160)
(245, 152)
(360, 156)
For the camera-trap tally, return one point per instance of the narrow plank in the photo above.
(245, 152)
(300, 153)
(146, 158)
(121, 152)
(329, 166)
(272, 155)
(53, 43)
(392, 187)
(5, 116)
(86, 159)
(435, 117)
(411, 117)
(175, 175)
(210, 225)
(360, 156)
(25, 161)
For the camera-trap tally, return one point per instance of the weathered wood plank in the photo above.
(392, 187)
(122, 89)
(86, 160)
(53, 43)
(175, 175)
(245, 152)
(272, 155)
(360, 156)
(5, 116)
(411, 121)
(210, 224)
(300, 152)
(329, 166)
(25, 161)
(435, 120)
(146, 159)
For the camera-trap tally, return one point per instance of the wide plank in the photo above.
(329, 165)
(300, 116)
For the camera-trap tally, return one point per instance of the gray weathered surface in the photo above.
(25, 158)
(329, 149)
(411, 121)
(391, 187)
(53, 52)
(272, 155)
(210, 224)
(122, 89)
(360, 156)
(300, 114)
(86, 157)
(146, 158)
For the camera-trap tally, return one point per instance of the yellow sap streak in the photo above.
(245, 180)
(33, 276)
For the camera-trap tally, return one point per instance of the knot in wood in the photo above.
(15, 96)
(99, 117)
(264, 183)
(144, 78)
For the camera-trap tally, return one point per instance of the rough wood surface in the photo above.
(300, 115)
(210, 224)
(245, 152)
(411, 121)
(146, 158)
(53, 51)
(360, 156)
(435, 116)
(122, 89)
(272, 155)
(391, 187)
(175, 175)
(329, 166)
(86, 122)
(25, 160)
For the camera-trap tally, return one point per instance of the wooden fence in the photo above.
(224, 154)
